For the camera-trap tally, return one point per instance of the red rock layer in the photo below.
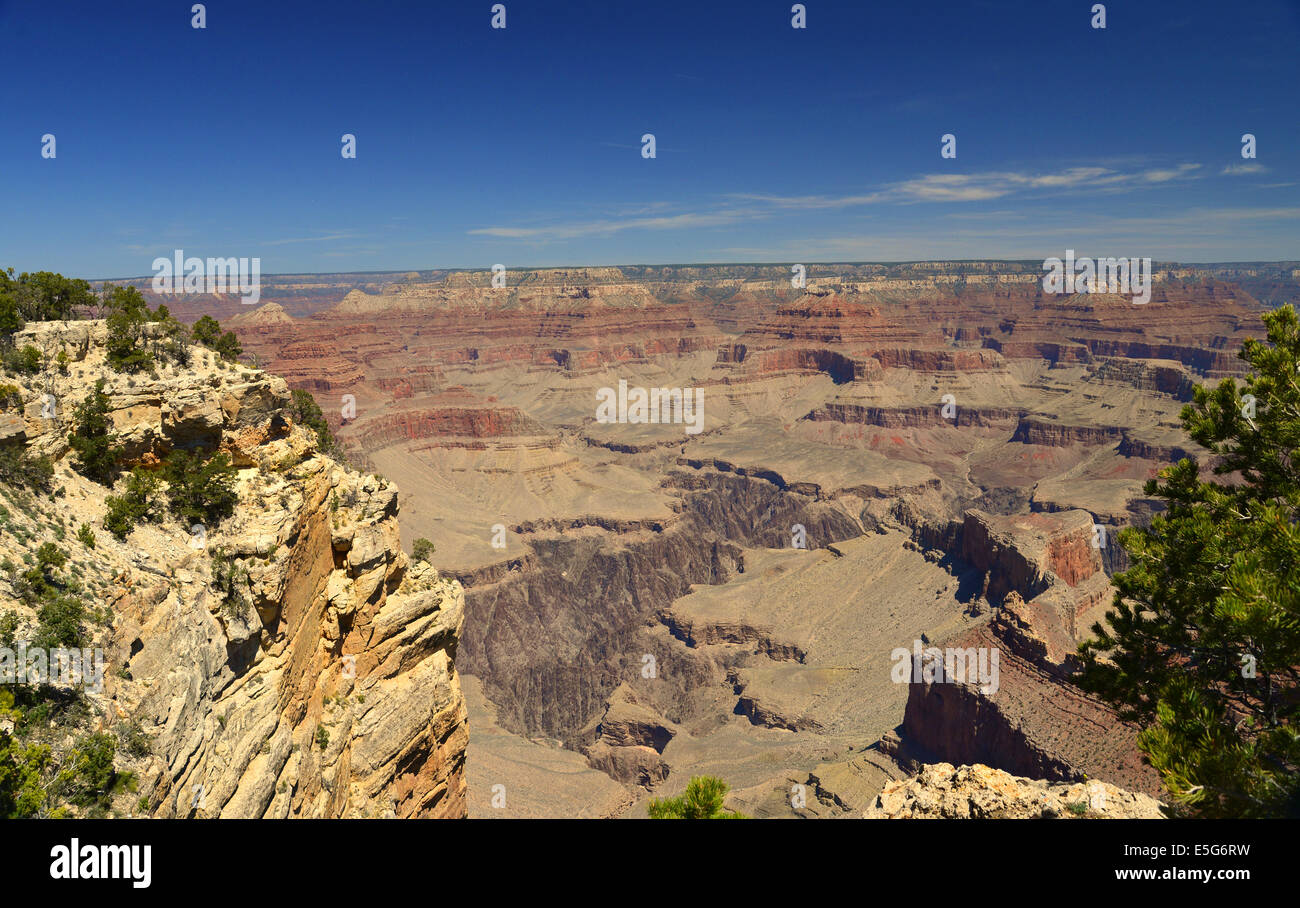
(471, 422)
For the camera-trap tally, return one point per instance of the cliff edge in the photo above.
(289, 661)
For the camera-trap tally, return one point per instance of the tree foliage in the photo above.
(1202, 645)
(128, 313)
(40, 297)
(138, 503)
(307, 412)
(92, 439)
(34, 783)
(18, 468)
(230, 582)
(207, 331)
(201, 489)
(23, 768)
(170, 341)
(702, 800)
(24, 360)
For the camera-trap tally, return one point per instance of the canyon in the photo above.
(935, 452)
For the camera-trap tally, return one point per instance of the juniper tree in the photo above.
(207, 331)
(92, 439)
(128, 313)
(201, 489)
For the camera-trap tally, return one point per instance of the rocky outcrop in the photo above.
(839, 367)
(912, 417)
(550, 319)
(1026, 552)
(1146, 376)
(946, 792)
(320, 679)
(696, 633)
(1034, 723)
(1131, 446)
(627, 740)
(1038, 431)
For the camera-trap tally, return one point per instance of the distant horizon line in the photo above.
(898, 262)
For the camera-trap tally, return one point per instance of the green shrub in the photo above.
(421, 549)
(18, 468)
(201, 490)
(702, 800)
(170, 341)
(39, 581)
(86, 778)
(8, 627)
(133, 736)
(24, 361)
(22, 769)
(306, 412)
(137, 504)
(92, 439)
(207, 331)
(86, 536)
(60, 623)
(230, 582)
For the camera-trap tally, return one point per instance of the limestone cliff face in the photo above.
(327, 686)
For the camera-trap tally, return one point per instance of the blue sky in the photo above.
(522, 145)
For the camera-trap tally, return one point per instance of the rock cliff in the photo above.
(287, 662)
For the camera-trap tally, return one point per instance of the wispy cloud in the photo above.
(1236, 170)
(982, 187)
(608, 227)
(327, 238)
(1013, 185)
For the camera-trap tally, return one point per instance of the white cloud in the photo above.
(1236, 170)
(932, 187)
(982, 187)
